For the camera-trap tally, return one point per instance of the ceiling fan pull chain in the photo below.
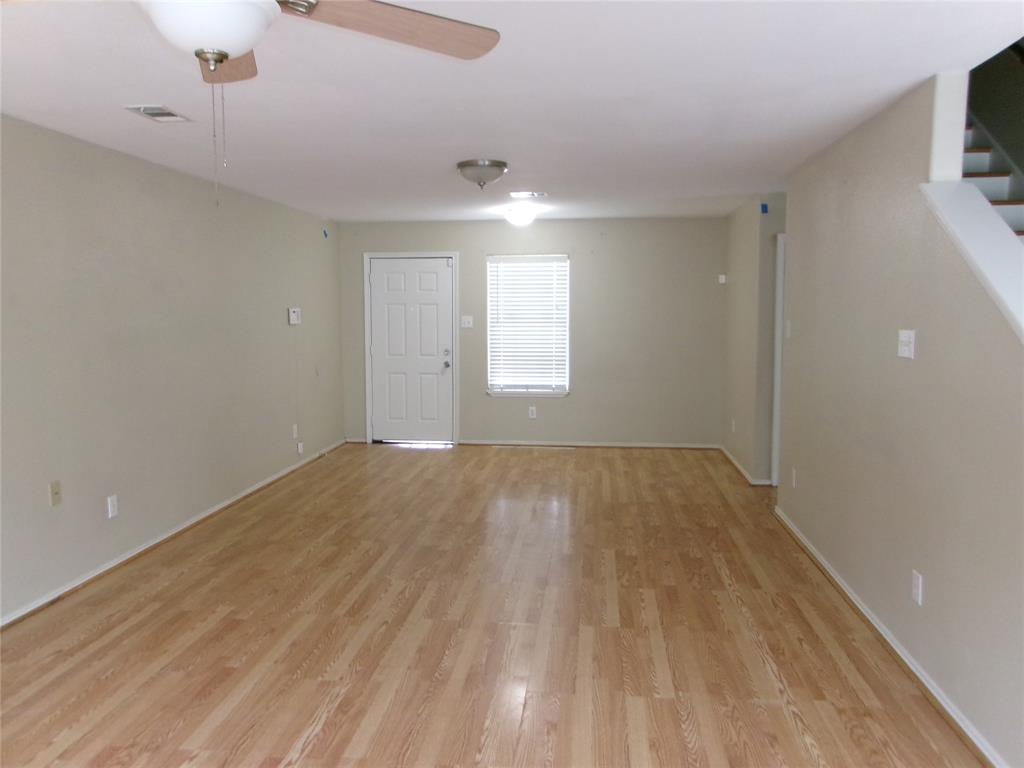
(213, 122)
(223, 129)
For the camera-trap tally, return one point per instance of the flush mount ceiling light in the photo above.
(521, 213)
(482, 172)
(214, 30)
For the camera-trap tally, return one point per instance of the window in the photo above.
(528, 325)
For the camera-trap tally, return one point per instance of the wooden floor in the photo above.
(473, 606)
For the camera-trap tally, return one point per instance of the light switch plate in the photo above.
(467, 321)
(907, 343)
(294, 315)
(112, 507)
(722, 279)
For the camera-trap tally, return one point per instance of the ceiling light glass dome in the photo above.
(230, 26)
(482, 172)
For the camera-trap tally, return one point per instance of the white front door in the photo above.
(411, 350)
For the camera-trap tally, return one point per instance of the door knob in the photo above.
(447, 364)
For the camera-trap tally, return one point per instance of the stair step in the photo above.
(969, 137)
(994, 185)
(1012, 212)
(977, 159)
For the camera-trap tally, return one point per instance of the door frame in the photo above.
(456, 357)
(780, 304)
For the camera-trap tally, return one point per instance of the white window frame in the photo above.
(487, 341)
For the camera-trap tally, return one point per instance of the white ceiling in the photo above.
(613, 108)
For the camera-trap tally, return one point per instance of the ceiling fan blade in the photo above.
(231, 71)
(404, 25)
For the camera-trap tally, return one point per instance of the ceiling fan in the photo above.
(221, 33)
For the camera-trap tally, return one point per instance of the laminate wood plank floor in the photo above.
(477, 606)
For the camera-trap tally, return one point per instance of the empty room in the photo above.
(511, 384)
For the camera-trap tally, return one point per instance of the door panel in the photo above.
(411, 337)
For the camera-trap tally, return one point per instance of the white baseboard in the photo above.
(740, 467)
(940, 696)
(17, 613)
(588, 444)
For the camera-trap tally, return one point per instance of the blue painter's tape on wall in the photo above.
(764, 207)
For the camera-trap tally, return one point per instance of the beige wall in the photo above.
(907, 464)
(749, 326)
(146, 351)
(647, 326)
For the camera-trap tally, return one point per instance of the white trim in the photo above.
(77, 582)
(940, 696)
(779, 332)
(456, 330)
(591, 444)
(949, 107)
(990, 248)
(525, 394)
(739, 466)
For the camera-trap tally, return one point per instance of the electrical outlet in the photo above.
(294, 315)
(295, 431)
(466, 321)
(299, 447)
(722, 279)
(56, 494)
(906, 343)
(794, 477)
(112, 507)
(531, 412)
(734, 425)
(917, 587)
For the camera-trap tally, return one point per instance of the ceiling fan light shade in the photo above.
(522, 213)
(231, 26)
(482, 172)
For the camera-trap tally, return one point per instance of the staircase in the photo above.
(986, 168)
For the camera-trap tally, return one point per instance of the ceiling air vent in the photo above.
(158, 113)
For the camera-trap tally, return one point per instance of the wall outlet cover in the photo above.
(299, 447)
(112, 510)
(467, 321)
(294, 315)
(905, 347)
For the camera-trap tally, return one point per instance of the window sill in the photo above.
(526, 394)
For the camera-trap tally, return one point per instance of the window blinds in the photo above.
(528, 324)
